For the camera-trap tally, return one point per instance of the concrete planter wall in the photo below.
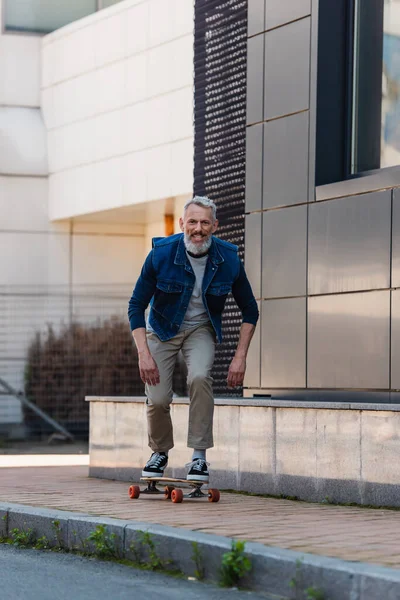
(341, 452)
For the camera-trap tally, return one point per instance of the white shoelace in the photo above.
(155, 460)
(197, 465)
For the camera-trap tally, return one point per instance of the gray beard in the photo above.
(196, 248)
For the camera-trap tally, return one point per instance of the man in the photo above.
(186, 278)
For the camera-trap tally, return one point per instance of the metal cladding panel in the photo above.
(348, 341)
(256, 17)
(253, 251)
(280, 12)
(283, 343)
(395, 341)
(220, 57)
(287, 69)
(285, 171)
(284, 252)
(396, 239)
(349, 244)
(254, 167)
(255, 84)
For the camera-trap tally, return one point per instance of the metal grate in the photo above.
(220, 54)
(58, 345)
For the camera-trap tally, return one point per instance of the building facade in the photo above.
(322, 199)
(96, 123)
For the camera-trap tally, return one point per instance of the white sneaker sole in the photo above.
(204, 478)
(152, 474)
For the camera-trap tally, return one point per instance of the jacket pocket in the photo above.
(216, 296)
(167, 297)
(169, 287)
(221, 289)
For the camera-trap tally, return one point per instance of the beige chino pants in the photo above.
(198, 349)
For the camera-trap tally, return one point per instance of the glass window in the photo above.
(367, 68)
(105, 3)
(375, 121)
(390, 139)
(44, 16)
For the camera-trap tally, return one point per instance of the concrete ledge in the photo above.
(273, 569)
(348, 453)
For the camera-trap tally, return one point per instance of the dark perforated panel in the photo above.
(220, 134)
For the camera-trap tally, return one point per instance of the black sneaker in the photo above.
(155, 465)
(198, 470)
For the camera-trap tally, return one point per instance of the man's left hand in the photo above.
(236, 372)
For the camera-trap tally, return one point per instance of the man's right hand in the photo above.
(148, 369)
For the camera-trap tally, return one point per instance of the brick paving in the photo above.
(349, 533)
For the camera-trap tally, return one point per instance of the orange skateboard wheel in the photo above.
(177, 495)
(213, 495)
(134, 491)
(168, 491)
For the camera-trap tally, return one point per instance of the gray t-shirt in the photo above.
(196, 312)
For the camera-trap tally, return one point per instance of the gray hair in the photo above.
(202, 201)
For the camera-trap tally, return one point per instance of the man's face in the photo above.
(198, 226)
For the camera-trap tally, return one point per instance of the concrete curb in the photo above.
(282, 572)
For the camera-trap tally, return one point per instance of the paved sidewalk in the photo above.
(349, 533)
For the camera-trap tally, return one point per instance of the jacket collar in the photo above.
(214, 253)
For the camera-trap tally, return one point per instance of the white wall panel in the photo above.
(23, 203)
(109, 39)
(137, 28)
(70, 195)
(20, 70)
(136, 75)
(181, 114)
(37, 258)
(134, 178)
(158, 171)
(68, 56)
(22, 142)
(108, 185)
(169, 64)
(181, 170)
(135, 127)
(98, 259)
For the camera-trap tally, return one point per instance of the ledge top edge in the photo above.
(365, 406)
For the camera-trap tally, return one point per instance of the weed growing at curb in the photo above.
(42, 543)
(57, 532)
(22, 539)
(4, 518)
(104, 543)
(155, 563)
(310, 593)
(235, 564)
(314, 593)
(197, 558)
(147, 546)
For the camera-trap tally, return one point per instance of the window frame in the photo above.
(337, 113)
(5, 31)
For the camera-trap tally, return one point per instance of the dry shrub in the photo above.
(97, 360)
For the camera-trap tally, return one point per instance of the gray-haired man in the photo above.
(186, 279)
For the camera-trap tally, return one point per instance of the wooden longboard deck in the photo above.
(172, 480)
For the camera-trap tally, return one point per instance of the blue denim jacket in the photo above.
(167, 280)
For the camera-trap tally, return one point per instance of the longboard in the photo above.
(173, 492)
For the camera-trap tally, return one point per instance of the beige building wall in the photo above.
(116, 93)
(96, 147)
